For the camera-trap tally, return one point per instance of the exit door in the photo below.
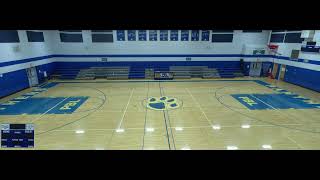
(275, 69)
(255, 69)
(32, 76)
(282, 71)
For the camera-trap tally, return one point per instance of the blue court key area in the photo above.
(56, 105)
(273, 101)
(69, 105)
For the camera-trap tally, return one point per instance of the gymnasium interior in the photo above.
(160, 89)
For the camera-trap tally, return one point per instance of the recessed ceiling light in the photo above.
(232, 147)
(179, 128)
(216, 127)
(80, 131)
(266, 146)
(245, 126)
(149, 129)
(119, 130)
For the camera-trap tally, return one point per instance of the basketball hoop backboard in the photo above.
(273, 49)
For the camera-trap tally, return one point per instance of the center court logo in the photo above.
(162, 103)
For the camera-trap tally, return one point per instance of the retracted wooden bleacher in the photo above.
(65, 73)
(180, 72)
(104, 72)
(230, 72)
(187, 72)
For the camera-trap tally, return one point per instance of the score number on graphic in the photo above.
(17, 135)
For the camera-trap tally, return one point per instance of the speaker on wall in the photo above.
(16, 48)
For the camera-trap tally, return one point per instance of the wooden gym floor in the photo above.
(118, 115)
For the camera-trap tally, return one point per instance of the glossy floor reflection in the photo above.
(197, 115)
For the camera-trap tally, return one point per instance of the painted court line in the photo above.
(278, 110)
(295, 142)
(119, 126)
(145, 119)
(165, 120)
(199, 106)
(50, 109)
(273, 125)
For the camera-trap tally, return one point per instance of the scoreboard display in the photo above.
(163, 75)
(17, 135)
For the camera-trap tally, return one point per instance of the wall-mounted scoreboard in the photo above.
(163, 75)
(17, 135)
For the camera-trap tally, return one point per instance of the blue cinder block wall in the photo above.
(303, 70)
(49, 68)
(246, 68)
(137, 69)
(73, 56)
(15, 81)
(149, 64)
(303, 77)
